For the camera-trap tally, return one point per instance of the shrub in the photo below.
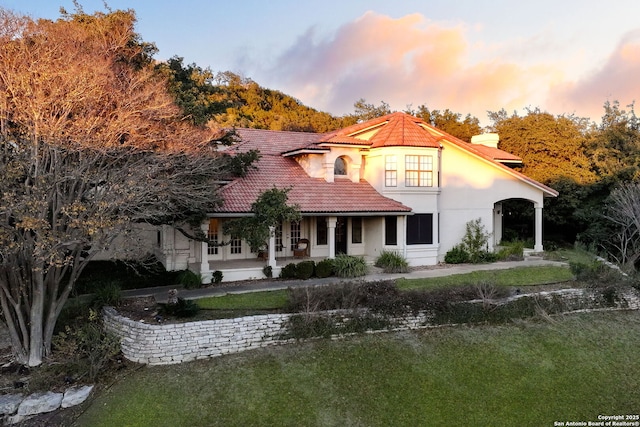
(475, 240)
(189, 280)
(310, 325)
(457, 255)
(350, 266)
(109, 294)
(267, 270)
(217, 276)
(513, 251)
(87, 345)
(305, 270)
(289, 271)
(183, 308)
(324, 268)
(392, 262)
(343, 296)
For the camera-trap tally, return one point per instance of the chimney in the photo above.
(487, 139)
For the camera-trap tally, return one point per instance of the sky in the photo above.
(470, 56)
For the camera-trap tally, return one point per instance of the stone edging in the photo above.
(15, 408)
(176, 343)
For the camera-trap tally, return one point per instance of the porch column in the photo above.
(272, 246)
(331, 231)
(204, 249)
(538, 227)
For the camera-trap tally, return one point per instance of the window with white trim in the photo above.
(295, 234)
(390, 171)
(212, 235)
(418, 171)
(278, 236)
(235, 245)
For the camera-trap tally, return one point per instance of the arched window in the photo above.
(340, 167)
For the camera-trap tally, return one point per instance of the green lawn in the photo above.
(530, 373)
(523, 276)
(251, 300)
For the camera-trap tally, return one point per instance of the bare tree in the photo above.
(624, 212)
(91, 144)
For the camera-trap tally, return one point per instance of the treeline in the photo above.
(230, 100)
(583, 160)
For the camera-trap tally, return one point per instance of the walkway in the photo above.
(161, 293)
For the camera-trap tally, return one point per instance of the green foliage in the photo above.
(109, 294)
(183, 308)
(457, 255)
(87, 346)
(233, 101)
(324, 268)
(475, 240)
(305, 270)
(550, 146)
(189, 280)
(364, 111)
(289, 271)
(392, 262)
(217, 277)
(311, 325)
(350, 266)
(450, 122)
(511, 251)
(240, 163)
(269, 210)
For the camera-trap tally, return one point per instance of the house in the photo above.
(391, 183)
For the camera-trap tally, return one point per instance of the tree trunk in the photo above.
(36, 317)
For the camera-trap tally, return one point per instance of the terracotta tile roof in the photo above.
(393, 130)
(271, 142)
(313, 195)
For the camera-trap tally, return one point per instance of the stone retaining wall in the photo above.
(182, 342)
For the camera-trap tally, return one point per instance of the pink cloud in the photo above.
(617, 80)
(413, 61)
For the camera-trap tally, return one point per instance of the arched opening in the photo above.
(340, 167)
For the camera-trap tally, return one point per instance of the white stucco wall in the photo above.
(470, 189)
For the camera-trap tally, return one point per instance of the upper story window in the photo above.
(340, 167)
(418, 171)
(390, 171)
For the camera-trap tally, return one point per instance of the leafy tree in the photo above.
(450, 122)
(193, 90)
(364, 111)
(91, 144)
(550, 146)
(269, 210)
(229, 100)
(615, 144)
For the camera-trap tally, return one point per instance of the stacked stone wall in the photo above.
(182, 342)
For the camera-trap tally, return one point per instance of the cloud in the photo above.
(414, 61)
(616, 80)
